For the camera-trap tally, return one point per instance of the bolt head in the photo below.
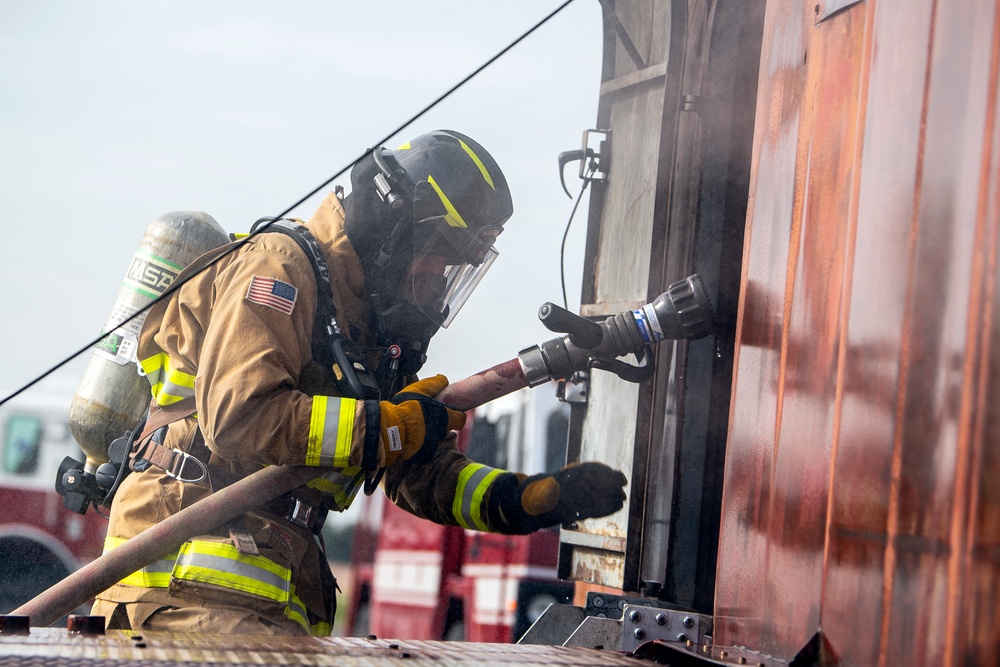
(639, 633)
(661, 619)
(688, 622)
(597, 601)
(682, 637)
(634, 616)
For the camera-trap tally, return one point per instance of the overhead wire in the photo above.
(236, 245)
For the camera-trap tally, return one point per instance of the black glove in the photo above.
(521, 504)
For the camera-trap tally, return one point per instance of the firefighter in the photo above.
(237, 344)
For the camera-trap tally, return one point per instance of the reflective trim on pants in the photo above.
(154, 575)
(221, 564)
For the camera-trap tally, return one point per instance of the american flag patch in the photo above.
(273, 294)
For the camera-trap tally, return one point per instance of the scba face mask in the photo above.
(448, 264)
(424, 219)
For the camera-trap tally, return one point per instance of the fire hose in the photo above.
(682, 312)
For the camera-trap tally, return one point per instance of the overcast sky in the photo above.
(113, 113)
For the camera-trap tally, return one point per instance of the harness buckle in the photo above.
(307, 516)
(176, 467)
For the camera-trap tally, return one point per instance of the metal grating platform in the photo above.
(52, 647)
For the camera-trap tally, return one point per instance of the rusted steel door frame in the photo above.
(679, 436)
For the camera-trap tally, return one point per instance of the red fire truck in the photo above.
(419, 580)
(40, 542)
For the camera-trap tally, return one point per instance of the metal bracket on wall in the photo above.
(554, 625)
(596, 632)
(643, 624)
(615, 623)
(594, 157)
(607, 605)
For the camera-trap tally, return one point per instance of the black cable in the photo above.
(169, 291)
(562, 249)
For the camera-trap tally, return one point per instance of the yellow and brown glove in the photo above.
(412, 423)
(520, 504)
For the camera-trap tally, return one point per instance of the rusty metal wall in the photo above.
(861, 492)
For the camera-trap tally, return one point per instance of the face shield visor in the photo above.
(448, 264)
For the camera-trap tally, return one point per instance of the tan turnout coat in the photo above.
(258, 395)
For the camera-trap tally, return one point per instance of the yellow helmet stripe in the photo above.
(479, 163)
(451, 216)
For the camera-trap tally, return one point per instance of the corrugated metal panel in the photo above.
(56, 648)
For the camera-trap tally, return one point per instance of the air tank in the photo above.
(112, 396)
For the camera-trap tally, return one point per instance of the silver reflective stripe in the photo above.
(236, 573)
(351, 490)
(155, 377)
(331, 431)
(174, 389)
(154, 575)
(332, 435)
(472, 484)
(343, 484)
(297, 612)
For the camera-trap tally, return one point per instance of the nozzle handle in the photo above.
(582, 332)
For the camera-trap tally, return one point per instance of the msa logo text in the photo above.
(149, 275)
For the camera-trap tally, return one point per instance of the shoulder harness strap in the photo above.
(340, 354)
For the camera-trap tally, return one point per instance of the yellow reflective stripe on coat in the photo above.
(198, 561)
(168, 385)
(321, 630)
(154, 575)
(331, 431)
(343, 485)
(473, 482)
(296, 611)
(221, 564)
(452, 216)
